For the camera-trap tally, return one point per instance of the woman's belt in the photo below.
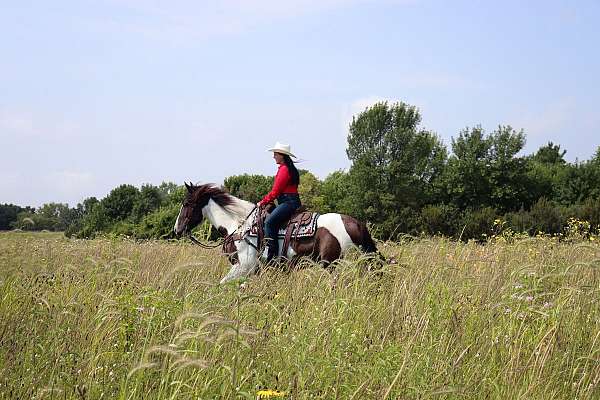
(287, 197)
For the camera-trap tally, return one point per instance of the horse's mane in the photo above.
(212, 191)
(236, 208)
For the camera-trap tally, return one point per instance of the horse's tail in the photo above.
(368, 245)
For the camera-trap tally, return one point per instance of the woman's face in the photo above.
(278, 158)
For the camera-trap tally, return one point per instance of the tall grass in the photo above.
(118, 319)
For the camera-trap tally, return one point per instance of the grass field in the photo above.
(117, 319)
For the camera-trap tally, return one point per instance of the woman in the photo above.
(285, 190)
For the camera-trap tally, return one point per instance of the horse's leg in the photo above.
(247, 262)
(328, 247)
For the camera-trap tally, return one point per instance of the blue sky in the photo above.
(94, 94)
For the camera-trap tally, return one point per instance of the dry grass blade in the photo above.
(190, 362)
(170, 351)
(140, 367)
(360, 389)
(183, 267)
(190, 315)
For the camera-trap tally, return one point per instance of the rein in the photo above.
(225, 239)
(206, 246)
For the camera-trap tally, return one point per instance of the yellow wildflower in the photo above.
(267, 394)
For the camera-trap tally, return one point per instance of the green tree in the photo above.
(149, 199)
(171, 193)
(336, 191)
(9, 215)
(466, 177)
(93, 222)
(547, 174)
(102, 216)
(579, 182)
(55, 216)
(158, 223)
(119, 203)
(394, 165)
(550, 154)
(508, 171)
(310, 192)
(485, 171)
(249, 187)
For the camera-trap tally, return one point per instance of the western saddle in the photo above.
(302, 224)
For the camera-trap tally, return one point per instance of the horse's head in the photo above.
(190, 214)
(196, 198)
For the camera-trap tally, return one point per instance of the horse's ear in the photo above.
(188, 187)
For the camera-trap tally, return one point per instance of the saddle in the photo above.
(302, 224)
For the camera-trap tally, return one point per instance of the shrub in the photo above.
(478, 224)
(546, 217)
(590, 211)
(157, 224)
(442, 219)
(123, 228)
(519, 221)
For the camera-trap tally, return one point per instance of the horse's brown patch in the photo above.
(353, 228)
(329, 247)
(323, 247)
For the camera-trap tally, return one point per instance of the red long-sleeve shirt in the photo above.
(283, 184)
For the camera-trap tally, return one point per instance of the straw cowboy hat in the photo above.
(282, 148)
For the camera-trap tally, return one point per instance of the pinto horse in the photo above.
(335, 233)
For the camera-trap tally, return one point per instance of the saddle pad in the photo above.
(308, 227)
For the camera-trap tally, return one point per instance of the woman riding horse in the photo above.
(285, 190)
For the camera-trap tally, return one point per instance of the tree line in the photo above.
(403, 180)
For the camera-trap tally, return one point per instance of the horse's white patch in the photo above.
(218, 216)
(334, 224)
(177, 220)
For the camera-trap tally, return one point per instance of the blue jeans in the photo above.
(288, 203)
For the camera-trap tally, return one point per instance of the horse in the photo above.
(232, 217)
